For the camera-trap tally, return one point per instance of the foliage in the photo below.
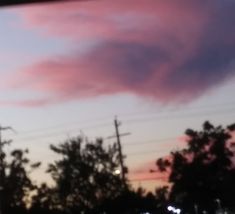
(15, 181)
(200, 174)
(44, 200)
(84, 175)
(203, 171)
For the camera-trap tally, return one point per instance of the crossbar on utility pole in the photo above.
(2, 143)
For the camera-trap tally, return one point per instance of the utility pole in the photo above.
(2, 143)
(117, 124)
(118, 137)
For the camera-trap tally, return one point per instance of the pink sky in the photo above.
(166, 51)
(118, 57)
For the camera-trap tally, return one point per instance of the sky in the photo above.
(68, 69)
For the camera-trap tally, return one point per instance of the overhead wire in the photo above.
(126, 115)
(135, 120)
(128, 121)
(63, 132)
(179, 109)
(184, 116)
(61, 125)
(152, 141)
(147, 152)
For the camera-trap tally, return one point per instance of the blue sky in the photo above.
(71, 74)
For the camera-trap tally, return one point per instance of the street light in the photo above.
(174, 209)
(117, 172)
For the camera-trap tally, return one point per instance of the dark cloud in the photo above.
(178, 54)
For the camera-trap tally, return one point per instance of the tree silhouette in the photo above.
(16, 183)
(204, 171)
(85, 175)
(45, 200)
(131, 202)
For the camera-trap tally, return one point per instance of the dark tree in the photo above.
(161, 195)
(45, 201)
(85, 175)
(15, 182)
(131, 202)
(204, 171)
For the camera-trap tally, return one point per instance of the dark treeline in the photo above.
(201, 179)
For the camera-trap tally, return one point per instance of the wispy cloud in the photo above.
(171, 52)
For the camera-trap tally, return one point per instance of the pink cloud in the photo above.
(122, 20)
(28, 103)
(168, 51)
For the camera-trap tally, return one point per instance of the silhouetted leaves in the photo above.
(163, 164)
(15, 181)
(85, 180)
(204, 170)
(84, 175)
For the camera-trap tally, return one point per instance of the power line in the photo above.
(156, 116)
(146, 118)
(56, 133)
(129, 121)
(61, 125)
(175, 109)
(135, 179)
(126, 115)
(153, 141)
(170, 117)
(140, 153)
(147, 152)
